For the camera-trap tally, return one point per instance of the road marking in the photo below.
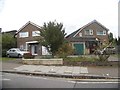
(36, 77)
(44, 78)
(5, 79)
(71, 81)
(95, 82)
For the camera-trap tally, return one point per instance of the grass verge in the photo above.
(6, 58)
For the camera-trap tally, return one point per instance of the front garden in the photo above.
(87, 61)
(81, 60)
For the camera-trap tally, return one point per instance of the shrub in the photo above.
(4, 52)
(28, 56)
(65, 50)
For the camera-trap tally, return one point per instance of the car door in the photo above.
(15, 54)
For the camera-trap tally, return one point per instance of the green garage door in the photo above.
(79, 49)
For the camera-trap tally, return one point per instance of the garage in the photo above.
(79, 48)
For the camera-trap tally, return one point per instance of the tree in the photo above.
(110, 37)
(52, 36)
(0, 44)
(8, 41)
(118, 42)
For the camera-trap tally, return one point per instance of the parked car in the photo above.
(110, 50)
(107, 50)
(15, 52)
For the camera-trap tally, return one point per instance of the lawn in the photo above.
(80, 59)
(6, 58)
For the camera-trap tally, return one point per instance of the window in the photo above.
(23, 34)
(80, 34)
(35, 33)
(101, 32)
(89, 32)
(21, 47)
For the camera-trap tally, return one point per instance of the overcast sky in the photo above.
(72, 13)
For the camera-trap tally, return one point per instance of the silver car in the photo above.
(15, 52)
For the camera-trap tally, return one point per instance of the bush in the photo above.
(4, 52)
(65, 50)
(28, 56)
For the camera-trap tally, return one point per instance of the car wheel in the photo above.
(19, 56)
(8, 55)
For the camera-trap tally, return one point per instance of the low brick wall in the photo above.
(57, 61)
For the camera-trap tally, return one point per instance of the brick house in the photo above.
(85, 39)
(27, 39)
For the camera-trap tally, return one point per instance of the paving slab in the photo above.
(76, 70)
(21, 68)
(30, 68)
(68, 70)
(61, 70)
(54, 69)
(45, 69)
(83, 70)
(39, 69)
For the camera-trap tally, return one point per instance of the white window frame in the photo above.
(103, 32)
(89, 33)
(35, 33)
(80, 34)
(23, 34)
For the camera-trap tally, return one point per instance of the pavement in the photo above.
(15, 66)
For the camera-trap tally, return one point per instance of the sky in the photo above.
(72, 13)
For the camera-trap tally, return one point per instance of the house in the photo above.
(88, 37)
(27, 39)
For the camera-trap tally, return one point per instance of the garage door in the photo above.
(79, 49)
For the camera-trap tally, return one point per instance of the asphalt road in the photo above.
(27, 81)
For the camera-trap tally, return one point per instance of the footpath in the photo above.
(101, 72)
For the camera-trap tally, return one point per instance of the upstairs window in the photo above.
(89, 32)
(23, 34)
(80, 34)
(35, 33)
(101, 32)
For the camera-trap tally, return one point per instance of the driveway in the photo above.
(10, 64)
(113, 58)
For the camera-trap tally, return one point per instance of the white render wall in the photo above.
(44, 51)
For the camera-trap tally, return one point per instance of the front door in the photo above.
(34, 49)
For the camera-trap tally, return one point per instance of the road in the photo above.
(27, 81)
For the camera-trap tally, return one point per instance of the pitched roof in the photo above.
(72, 34)
(77, 31)
(29, 22)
